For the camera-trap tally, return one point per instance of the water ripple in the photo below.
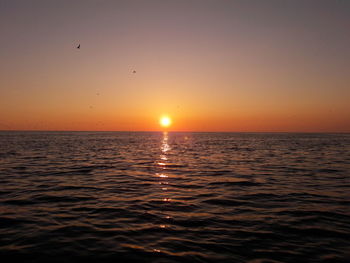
(174, 197)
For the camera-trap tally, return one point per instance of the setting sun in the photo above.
(165, 121)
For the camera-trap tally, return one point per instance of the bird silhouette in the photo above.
(78, 47)
(134, 71)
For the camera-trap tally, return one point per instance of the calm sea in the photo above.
(174, 197)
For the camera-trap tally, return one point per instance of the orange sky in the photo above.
(210, 65)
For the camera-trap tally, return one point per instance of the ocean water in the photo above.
(174, 197)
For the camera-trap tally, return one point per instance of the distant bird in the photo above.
(78, 47)
(98, 94)
(134, 71)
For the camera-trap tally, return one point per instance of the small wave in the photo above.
(6, 222)
(235, 183)
(224, 202)
(59, 199)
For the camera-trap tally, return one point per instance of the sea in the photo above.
(174, 197)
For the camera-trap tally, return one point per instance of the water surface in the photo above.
(174, 197)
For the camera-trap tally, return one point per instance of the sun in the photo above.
(165, 121)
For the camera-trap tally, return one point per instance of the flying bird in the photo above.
(134, 71)
(78, 47)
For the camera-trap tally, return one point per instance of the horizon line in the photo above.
(321, 132)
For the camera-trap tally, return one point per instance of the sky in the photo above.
(211, 65)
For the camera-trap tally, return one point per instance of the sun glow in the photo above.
(165, 121)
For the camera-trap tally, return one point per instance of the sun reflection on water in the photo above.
(165, 146)
(162, 163)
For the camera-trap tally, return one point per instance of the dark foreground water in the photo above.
(176, 197)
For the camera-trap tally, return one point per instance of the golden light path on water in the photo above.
(163, 182)
(165, 148)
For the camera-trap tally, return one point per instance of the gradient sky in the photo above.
(214, 65)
